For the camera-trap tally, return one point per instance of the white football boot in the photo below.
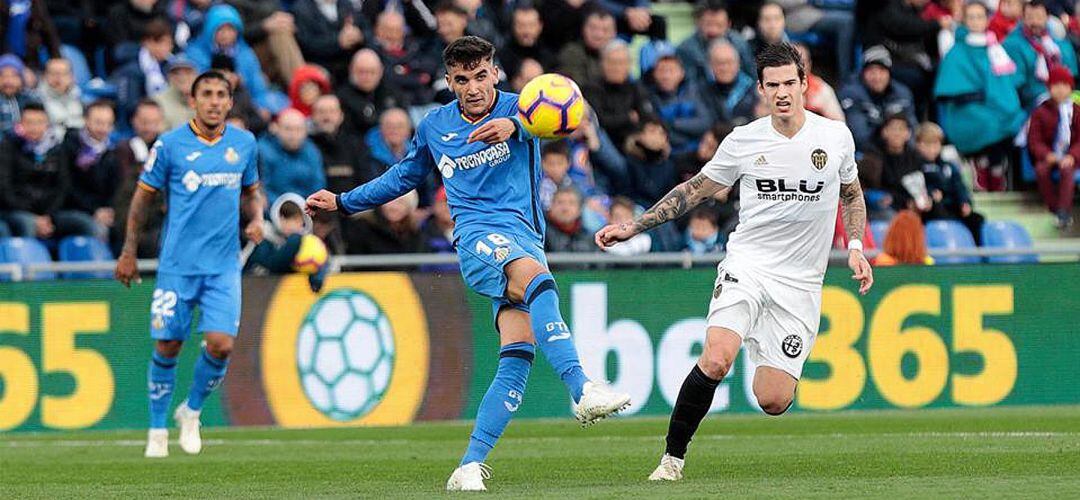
(670, 469)
(157, 443)
(188, 420)
(469, 477)
(599, 402)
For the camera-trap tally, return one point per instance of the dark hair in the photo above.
(33, 106)
(595, 12)
(210, 75)
(451, 7)
(468, 52)
(223, 62)
(779, 54)
(145, 102)
(977, 3)
(156, 29)
(704, 6)
(524, 6)
(1031, 4)
(100, 103)
(705, 213)
(556, 148)
(289, 211)
(895, 117)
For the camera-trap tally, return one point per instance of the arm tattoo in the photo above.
(140, 203)
(678, 201)
(854, 207)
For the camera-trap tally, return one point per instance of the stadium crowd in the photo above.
(333, 88)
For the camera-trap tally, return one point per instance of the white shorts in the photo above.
(778, 323)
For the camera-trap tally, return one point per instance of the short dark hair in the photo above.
(210, 75)
(596, 12)
(145, 102)
(468, 52)
(524, 6)
(450, 6)
(100, 103)
(33, 106)
(1031, 4)
(556, 148)
(704, 6)
(706, 213)
(779, 54)
(290, 211)
(156, 29)
(223, 62)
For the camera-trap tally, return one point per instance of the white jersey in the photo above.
(790, 190)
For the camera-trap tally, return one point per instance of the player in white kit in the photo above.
(792, 169)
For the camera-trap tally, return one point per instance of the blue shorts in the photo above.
(175, 298)
(485, 252)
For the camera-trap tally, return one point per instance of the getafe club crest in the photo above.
(819, 158)
(502, 253)
(232, 156)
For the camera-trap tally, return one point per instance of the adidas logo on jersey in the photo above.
(760, 161)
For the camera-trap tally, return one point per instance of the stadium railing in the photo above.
(1058, 252)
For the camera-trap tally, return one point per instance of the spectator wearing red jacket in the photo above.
(1054, 144)
(1005, 19)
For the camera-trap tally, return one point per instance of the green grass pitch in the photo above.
(974, 453)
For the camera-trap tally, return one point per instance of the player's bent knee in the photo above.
(775, 405)
(169, 348)
(219, 346)
(715, 364)
(519, 274)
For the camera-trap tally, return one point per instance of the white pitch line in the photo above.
(383, 442)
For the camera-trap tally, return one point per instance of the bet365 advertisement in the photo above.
(391, 348)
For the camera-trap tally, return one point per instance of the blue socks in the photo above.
(552, 334)
(209, 372)
(161, 377)
(501, 400)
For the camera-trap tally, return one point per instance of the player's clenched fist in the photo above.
(494, 131)
(254, 231)
(322, 200)
(614, 233)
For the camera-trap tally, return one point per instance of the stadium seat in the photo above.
(83, 249)
(879, 228)
(949, 235)
(1027, 169)
(25, 251)
(1007, 234)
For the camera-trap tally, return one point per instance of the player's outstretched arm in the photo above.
(853, 206)
(673, 205)
(127, 265)
(403, 177)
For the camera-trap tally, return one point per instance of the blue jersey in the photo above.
(493, 186)
(201, 180)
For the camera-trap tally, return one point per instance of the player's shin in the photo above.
(552, 334)
(209, 372)
(501, 400)
(161, 377)
(695, 398)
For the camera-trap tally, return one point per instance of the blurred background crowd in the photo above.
(945, 98)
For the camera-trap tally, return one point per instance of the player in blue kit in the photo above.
(491, 169)
(207, 170)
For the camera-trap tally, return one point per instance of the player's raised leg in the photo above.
(530, 283)
(161, 379)
(695, 398)
(774, 389)
(502, 399)
(210, 370)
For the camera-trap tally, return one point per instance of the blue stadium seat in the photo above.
(1027, 169)
(83, 249)
(879, 228)
(26, 251)
(949, 235)
(1007, 234)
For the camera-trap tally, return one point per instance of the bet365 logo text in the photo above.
(883, 353)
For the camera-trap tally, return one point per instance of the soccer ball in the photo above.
(345, 354)
(311, 256)
(551, 106)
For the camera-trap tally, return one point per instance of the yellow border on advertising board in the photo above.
(397, 297)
